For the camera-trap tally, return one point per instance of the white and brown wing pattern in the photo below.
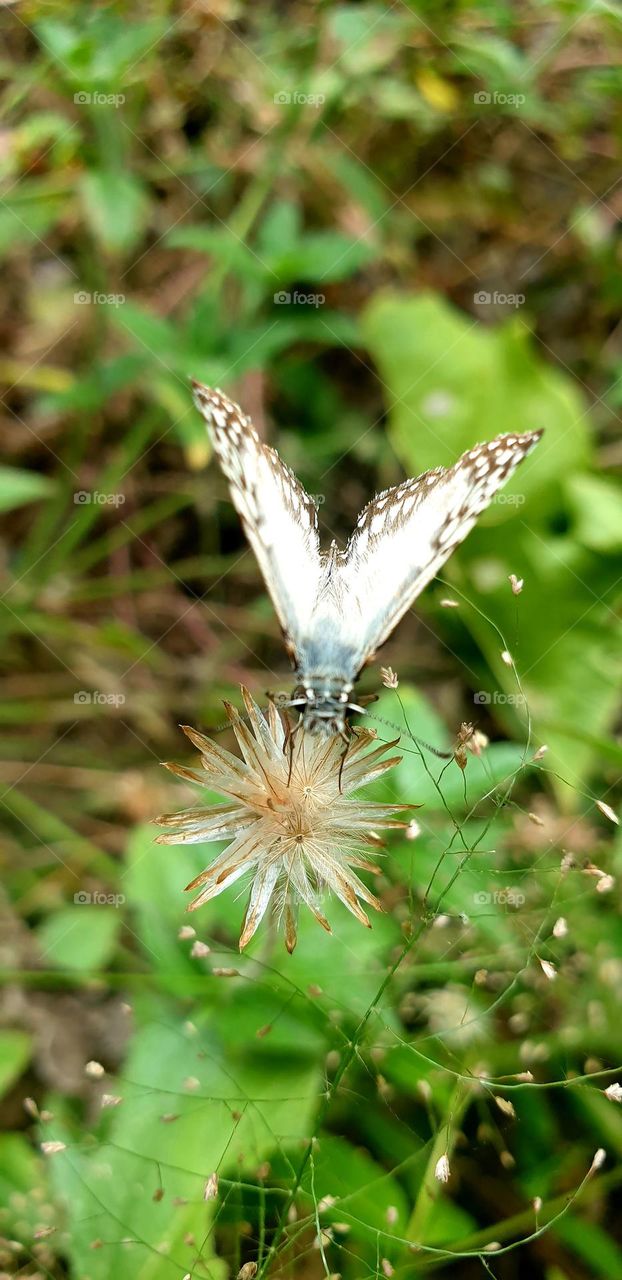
(279, 518)
(405, 535)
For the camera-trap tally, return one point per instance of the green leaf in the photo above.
(15, 1050)
(596, 504)
(81, 937)
(99, 48)
(323, 256)
(115, 207)
(19, 487)
(453, 383)
(223, 246)
(363, 1191)
(139, 1152)
(154, 884)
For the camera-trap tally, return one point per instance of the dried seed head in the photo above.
(292, 820)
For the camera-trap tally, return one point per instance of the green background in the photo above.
(389, 231)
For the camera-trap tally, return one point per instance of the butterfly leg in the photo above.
(288, 745)
(344, 736)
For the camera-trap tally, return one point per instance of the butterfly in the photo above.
(337, 607)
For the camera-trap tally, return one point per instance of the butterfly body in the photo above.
(336, 608)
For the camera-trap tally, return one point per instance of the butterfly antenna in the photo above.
(419, 742)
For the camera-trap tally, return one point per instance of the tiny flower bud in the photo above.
(442, 1170)
(516, 584)
(389, 678)
(608, 812)
(613, 1092)
(505, 1106)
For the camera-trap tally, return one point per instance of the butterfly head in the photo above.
(323, 706)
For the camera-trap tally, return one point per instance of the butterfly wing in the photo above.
(279, 518)
(405, 535)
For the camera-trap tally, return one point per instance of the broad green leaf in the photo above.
(81, 937)
(169, 1136)
(596, 503)
(453, 382)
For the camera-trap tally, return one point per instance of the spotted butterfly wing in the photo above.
(279, 518)
(404, 536)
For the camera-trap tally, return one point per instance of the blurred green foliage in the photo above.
(389, 231)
